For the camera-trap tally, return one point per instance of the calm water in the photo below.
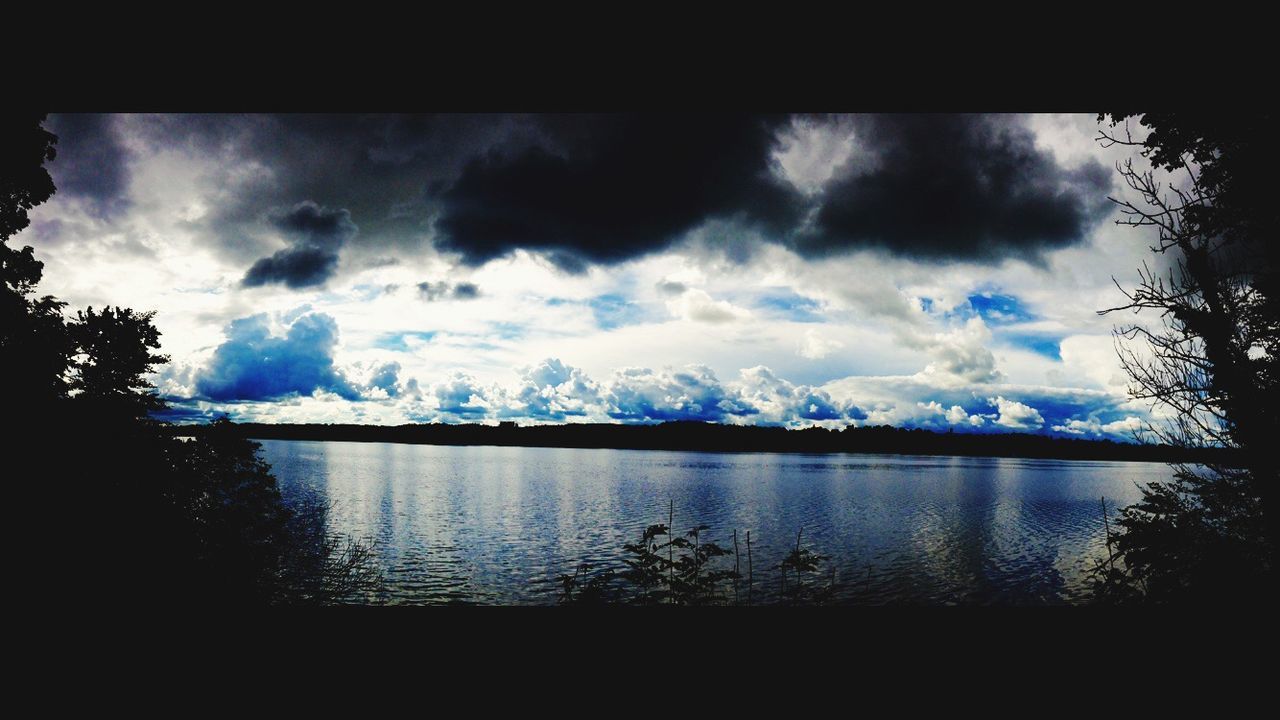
(496, 525)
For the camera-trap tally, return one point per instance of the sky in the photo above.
(923, 271)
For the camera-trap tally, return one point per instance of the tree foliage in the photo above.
(34, 349)
(1210, 367)
(153, 518)
(113, 359)
(24, 181)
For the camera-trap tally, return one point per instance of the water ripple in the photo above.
(492, 525)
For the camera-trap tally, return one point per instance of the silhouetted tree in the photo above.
(112, 361)
(147, 518)
(24, 181)
(1212, 366)
(34, 347)
(241, 544)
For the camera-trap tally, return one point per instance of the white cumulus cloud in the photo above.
(1015, 415)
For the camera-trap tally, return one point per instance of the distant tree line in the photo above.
(692, 435)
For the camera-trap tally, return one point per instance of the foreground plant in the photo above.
(801, 562)
(687, 569)
(661, 569)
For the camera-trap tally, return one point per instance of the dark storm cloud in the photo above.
(601, 189)
(376, 166)
(255, 365)
(610, 188)
(91, 162)
(316, 235)
(578, 189)
(955, 186)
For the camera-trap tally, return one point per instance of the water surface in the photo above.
(495, 525)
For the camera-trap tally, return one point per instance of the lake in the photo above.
(496, 525)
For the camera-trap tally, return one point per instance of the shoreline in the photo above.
(707, 437)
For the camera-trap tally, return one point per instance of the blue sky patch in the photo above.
(396, 340)
(613, 311)
(506, 330)
(791, 306)
(998, 309)
(1049, 346)
(367, 291)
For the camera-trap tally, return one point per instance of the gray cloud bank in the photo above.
(591, 189)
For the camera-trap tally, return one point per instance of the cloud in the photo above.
(378, 167)
(386, 378)
(757, 396)
(698, 306)
(810, 151)
(460, 397)
(941, 187)
(958, 416)
(254, 364)
(1015, 415)
(583, 190)
(316, 235)
(816, 347)
(959, 355)
(297, 267)
(670, 287)
(691, 393)
(431, 291)
(1128, 426)
(783, 403)
(92, 161)
(466, 291)
(926, 402)
(553, 391)
(604, 189)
